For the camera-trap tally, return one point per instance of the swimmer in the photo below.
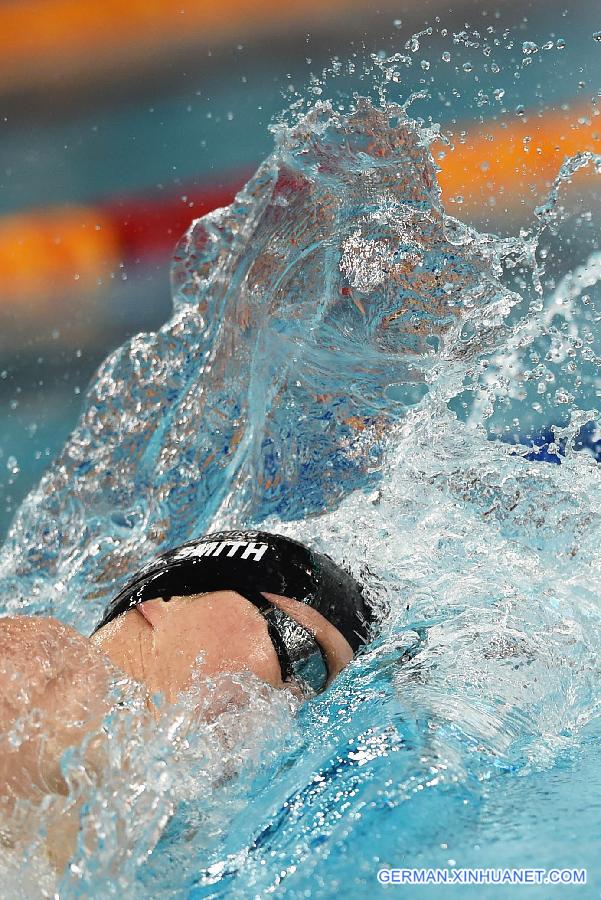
(229, 602)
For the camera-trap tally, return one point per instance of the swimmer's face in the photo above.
(164, 645)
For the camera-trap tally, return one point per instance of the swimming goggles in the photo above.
(300, 656)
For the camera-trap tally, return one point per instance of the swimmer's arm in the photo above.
(53, 693)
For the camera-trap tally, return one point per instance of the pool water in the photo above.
(346, 364)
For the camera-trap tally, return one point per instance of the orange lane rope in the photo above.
(55, 253)
(58, 36)
(507, 167)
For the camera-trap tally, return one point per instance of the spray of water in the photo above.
(343, 360)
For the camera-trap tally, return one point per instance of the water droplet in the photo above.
(499, 93)
(467, 67)
(12, 465)
(446, 56)
(425, 65)
(529, 47)
(560, 44)
(397, 23)
(519, 110)
(494, 68)
(597, 36)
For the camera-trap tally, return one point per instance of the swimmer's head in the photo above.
(257, 565)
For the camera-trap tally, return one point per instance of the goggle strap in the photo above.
(267, 610)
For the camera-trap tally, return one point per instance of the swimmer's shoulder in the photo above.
(42, 649)
(36, 627)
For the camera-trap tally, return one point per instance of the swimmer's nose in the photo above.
(153, 611)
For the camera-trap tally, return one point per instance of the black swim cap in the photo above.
(254, 561)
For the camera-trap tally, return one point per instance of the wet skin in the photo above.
(161, 644)
(56, 683)
(50, 669)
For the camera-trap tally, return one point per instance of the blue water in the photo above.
(348, 364)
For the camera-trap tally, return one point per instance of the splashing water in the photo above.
(342, 359)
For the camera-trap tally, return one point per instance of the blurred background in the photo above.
(121, 122)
